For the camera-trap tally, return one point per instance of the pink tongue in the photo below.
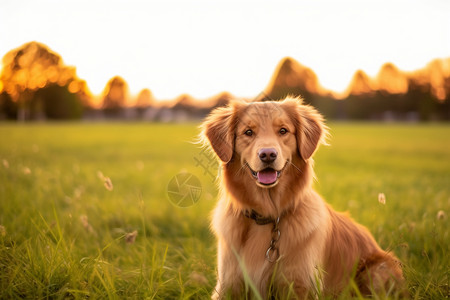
(267, 176)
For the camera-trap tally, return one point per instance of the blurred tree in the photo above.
(143, 102)
(30, 68)
(392, 85)
(53, 108)
(359, 103)
(431, 90)
(328, 106)
(445, 105)
(438, 73)
(358, 107)
(8, 108)
(292, 78)
(420, 99)
(185, 103)
(390, 80)
(144, 99)
(115, 96)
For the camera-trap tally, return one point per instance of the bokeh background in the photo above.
(104, 193)
(175, 60)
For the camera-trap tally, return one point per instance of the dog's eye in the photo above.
(248, 132)
(283, 131)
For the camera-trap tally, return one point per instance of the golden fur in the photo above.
(320, 249)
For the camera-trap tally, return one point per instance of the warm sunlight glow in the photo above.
(34, 66)
(361, 84)
(115, 94)
(74, 87)
(145, 98)
(391, 80)
(175, 61)
(176, 47)
(438, 70)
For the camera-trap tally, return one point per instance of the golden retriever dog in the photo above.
(271, 226)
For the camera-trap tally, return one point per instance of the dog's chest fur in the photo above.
(252, 241)
(255, 241)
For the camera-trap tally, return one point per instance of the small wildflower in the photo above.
(108, 184)
(26, 171)
(130, 238)
(198, 278)
(441, 215)
(5, 163)
(382, 198)
(404, 245)
(2, 230)
(100, 175)
(77, 192)
(85, 223)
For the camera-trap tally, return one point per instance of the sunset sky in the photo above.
(205, 47)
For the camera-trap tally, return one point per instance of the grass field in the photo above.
(66, 234)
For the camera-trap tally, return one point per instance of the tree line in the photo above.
(393, 95)
(35, 84)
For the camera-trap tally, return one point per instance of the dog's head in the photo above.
(265, 138)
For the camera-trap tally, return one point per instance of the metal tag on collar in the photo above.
(273, 252)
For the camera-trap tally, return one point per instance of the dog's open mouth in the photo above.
(266, 177)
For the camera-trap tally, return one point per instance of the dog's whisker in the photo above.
(242, 168)
(298, 169)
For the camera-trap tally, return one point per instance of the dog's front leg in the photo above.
(229, 279)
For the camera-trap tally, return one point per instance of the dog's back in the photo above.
(353, 252)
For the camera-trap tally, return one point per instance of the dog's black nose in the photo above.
(267, 155)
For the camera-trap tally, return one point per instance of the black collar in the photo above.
(259, 219)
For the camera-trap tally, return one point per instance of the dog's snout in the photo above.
(267, 155)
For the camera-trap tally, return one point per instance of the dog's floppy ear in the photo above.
(310, 127)
(218, 128)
